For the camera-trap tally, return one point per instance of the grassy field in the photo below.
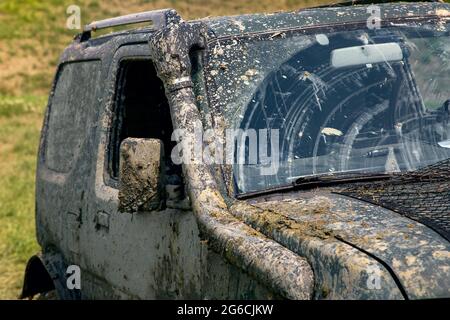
(20, 119)
(32, 35)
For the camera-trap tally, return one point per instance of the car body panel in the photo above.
(416, 256)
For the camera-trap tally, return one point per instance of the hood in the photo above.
(357, 249)
(422, 195)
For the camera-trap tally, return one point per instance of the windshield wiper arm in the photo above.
(339, 178)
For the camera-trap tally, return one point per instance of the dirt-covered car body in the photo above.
(188, 235)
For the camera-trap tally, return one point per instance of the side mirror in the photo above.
(140, 175)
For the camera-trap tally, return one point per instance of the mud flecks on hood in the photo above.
(422, 195)
(301, 220)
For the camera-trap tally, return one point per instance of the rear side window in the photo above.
(72, 111)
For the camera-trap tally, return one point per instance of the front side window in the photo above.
(343, 100)
(141, 109)
(73, 107)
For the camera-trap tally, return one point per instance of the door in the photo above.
(153, 254)
(65, 161)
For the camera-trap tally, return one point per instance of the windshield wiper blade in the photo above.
(323, 180)
(339, 178)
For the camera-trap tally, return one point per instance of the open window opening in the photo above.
(141, 111)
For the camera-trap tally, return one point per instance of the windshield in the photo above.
(353, 99)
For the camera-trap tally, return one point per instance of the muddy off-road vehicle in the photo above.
(336, 185)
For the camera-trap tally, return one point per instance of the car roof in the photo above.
(254, 23)
(230, 26)
(227, 26)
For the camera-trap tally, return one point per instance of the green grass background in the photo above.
(32, 36)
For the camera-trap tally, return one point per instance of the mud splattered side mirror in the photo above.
(141, 175)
